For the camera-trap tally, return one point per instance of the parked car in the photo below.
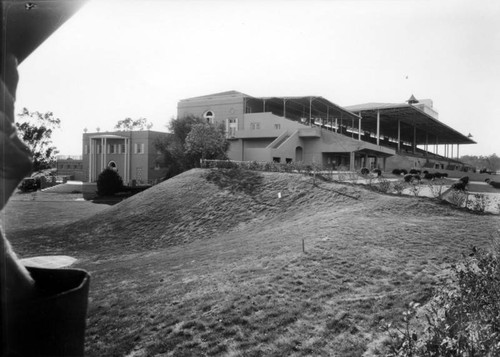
(28, 184)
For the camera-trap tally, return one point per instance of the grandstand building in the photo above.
(312, 129)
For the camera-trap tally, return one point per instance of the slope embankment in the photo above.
(212, 263)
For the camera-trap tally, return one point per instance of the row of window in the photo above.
(138, 148)
(256, 126)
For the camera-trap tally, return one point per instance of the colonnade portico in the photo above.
(99, 159)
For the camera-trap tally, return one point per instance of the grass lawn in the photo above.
(211, 263)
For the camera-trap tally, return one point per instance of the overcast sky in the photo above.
(118, 59)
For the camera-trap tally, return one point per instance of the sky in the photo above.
(131, 58)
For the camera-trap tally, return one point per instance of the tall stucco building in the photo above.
(312, 129)
(132, 153)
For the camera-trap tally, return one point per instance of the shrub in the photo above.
(400, 186)
(436, 187)
(408, 178)
(383, 185)
(404, 172)
(415, 188)
(479, 203)
(377, 171)
(109, 183)
(396, 172)
(236, 180)
(365, 171)
(414, 172)
(458, 198)
(463, 319)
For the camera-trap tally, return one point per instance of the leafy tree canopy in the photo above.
(181, 154)
(35, 129)
(206, 141)
(181, 127)
(491, 162)
(131, 124)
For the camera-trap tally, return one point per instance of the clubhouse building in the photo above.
(132, 154)
(312, 129)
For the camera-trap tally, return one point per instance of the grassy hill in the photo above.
(212, 263)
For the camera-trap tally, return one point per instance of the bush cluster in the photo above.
(463, 319)
(236, 179)
(109, 183)
(262, 166)
(399, 172)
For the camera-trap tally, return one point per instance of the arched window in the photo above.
(209, 116)
(112, 165)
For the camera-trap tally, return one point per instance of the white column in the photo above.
(378, 127)
(90, 159)
(414, 138)
(327, 112)
(102, 155)
(105, 165)
(399, 135)
(458, 151)
(125, 161)
(359, 127)
(310, 111)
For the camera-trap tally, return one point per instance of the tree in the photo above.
(491, 162)
(173, 149)
(130, 124)
(181, 127)
(35, 129)
(177, 157)
(206, 141)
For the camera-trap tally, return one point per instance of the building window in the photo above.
(231, 126)
(98, 149)
(157, 166)
(277, 126)
(255, 126)
(111, 149)
(209, 116)
(85, 149)
(138, 148)
(123, 149)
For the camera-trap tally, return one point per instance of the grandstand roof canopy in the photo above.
(429, 130)
(316, 105)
